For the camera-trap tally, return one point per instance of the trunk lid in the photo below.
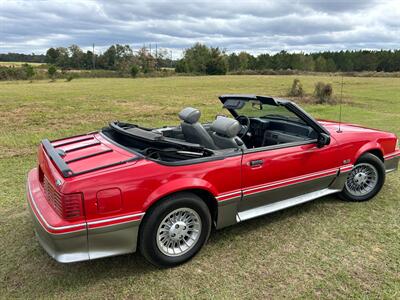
(83, 154)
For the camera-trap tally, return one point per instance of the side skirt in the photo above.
(229, 214)
(335, 186)
(276, 206)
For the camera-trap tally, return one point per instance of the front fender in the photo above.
(368, 147)
(179, 185)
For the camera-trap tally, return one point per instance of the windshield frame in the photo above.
(289, 105)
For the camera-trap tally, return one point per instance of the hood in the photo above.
(333, 128)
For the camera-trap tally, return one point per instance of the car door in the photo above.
(279, 176)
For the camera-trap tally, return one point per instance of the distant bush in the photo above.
(134, 71)
(71, 76)
(29, 71)
(297, 89)
(323, 92)
(51, 71)
(11, 73)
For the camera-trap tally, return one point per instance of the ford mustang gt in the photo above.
(161, 190)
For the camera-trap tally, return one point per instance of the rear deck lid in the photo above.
(84, 154)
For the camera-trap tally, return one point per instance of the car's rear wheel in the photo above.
(175, 229)
(365, 179)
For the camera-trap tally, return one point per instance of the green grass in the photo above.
(323, 249)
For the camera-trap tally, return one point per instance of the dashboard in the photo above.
(268, 131)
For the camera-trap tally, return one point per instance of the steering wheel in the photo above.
(245, 123)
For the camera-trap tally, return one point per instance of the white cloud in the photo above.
(255, 26)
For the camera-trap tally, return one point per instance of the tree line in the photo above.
(209, 60)
(201, 59)
(19, 57)
(117, 57)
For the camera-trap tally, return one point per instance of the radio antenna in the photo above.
(340, 106)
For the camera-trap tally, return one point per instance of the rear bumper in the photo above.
(68, 242)
(391, 162)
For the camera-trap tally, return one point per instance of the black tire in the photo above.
(371, 159)
(156, 214)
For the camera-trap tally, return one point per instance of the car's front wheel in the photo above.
(175, 229)
(365, 179)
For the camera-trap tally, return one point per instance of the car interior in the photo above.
(191, 139)
(242, 132)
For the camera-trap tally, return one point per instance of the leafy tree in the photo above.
(77, 57)
(51, 71)
(52, 56)
(264, 61)
(29, 70)
(197, 58)
(181, 66)
(217, 65)
(233, 62)
(243, 60)
(63, 58)
(330, 65)
(320, 64)
(146, 60)
(281, 61)
(110, 58)
(134, 71)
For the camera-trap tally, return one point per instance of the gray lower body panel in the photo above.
(273, 200)
(88, 243)
(283, 193)
(392, 164)
(276, 206)
(227, 211)
(64, 248)
(113, 239)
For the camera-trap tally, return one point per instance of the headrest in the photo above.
(226, 126)
(190, 115)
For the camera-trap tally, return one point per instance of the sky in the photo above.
(253, 26)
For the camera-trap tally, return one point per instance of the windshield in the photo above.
(255, 109)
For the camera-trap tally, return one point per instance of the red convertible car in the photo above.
(161, 190)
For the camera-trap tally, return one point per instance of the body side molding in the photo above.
(276, 206)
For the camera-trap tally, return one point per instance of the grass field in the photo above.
(17, 64)
(323, 249)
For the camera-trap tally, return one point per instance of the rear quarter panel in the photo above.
(145, 182)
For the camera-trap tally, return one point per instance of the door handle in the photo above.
(256, 163)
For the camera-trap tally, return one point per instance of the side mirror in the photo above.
(323, 140)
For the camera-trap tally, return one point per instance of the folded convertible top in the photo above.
(148, 135)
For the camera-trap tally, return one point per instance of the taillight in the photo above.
(67, 206)
(72, 206)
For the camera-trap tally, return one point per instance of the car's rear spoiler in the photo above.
(56, 156)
